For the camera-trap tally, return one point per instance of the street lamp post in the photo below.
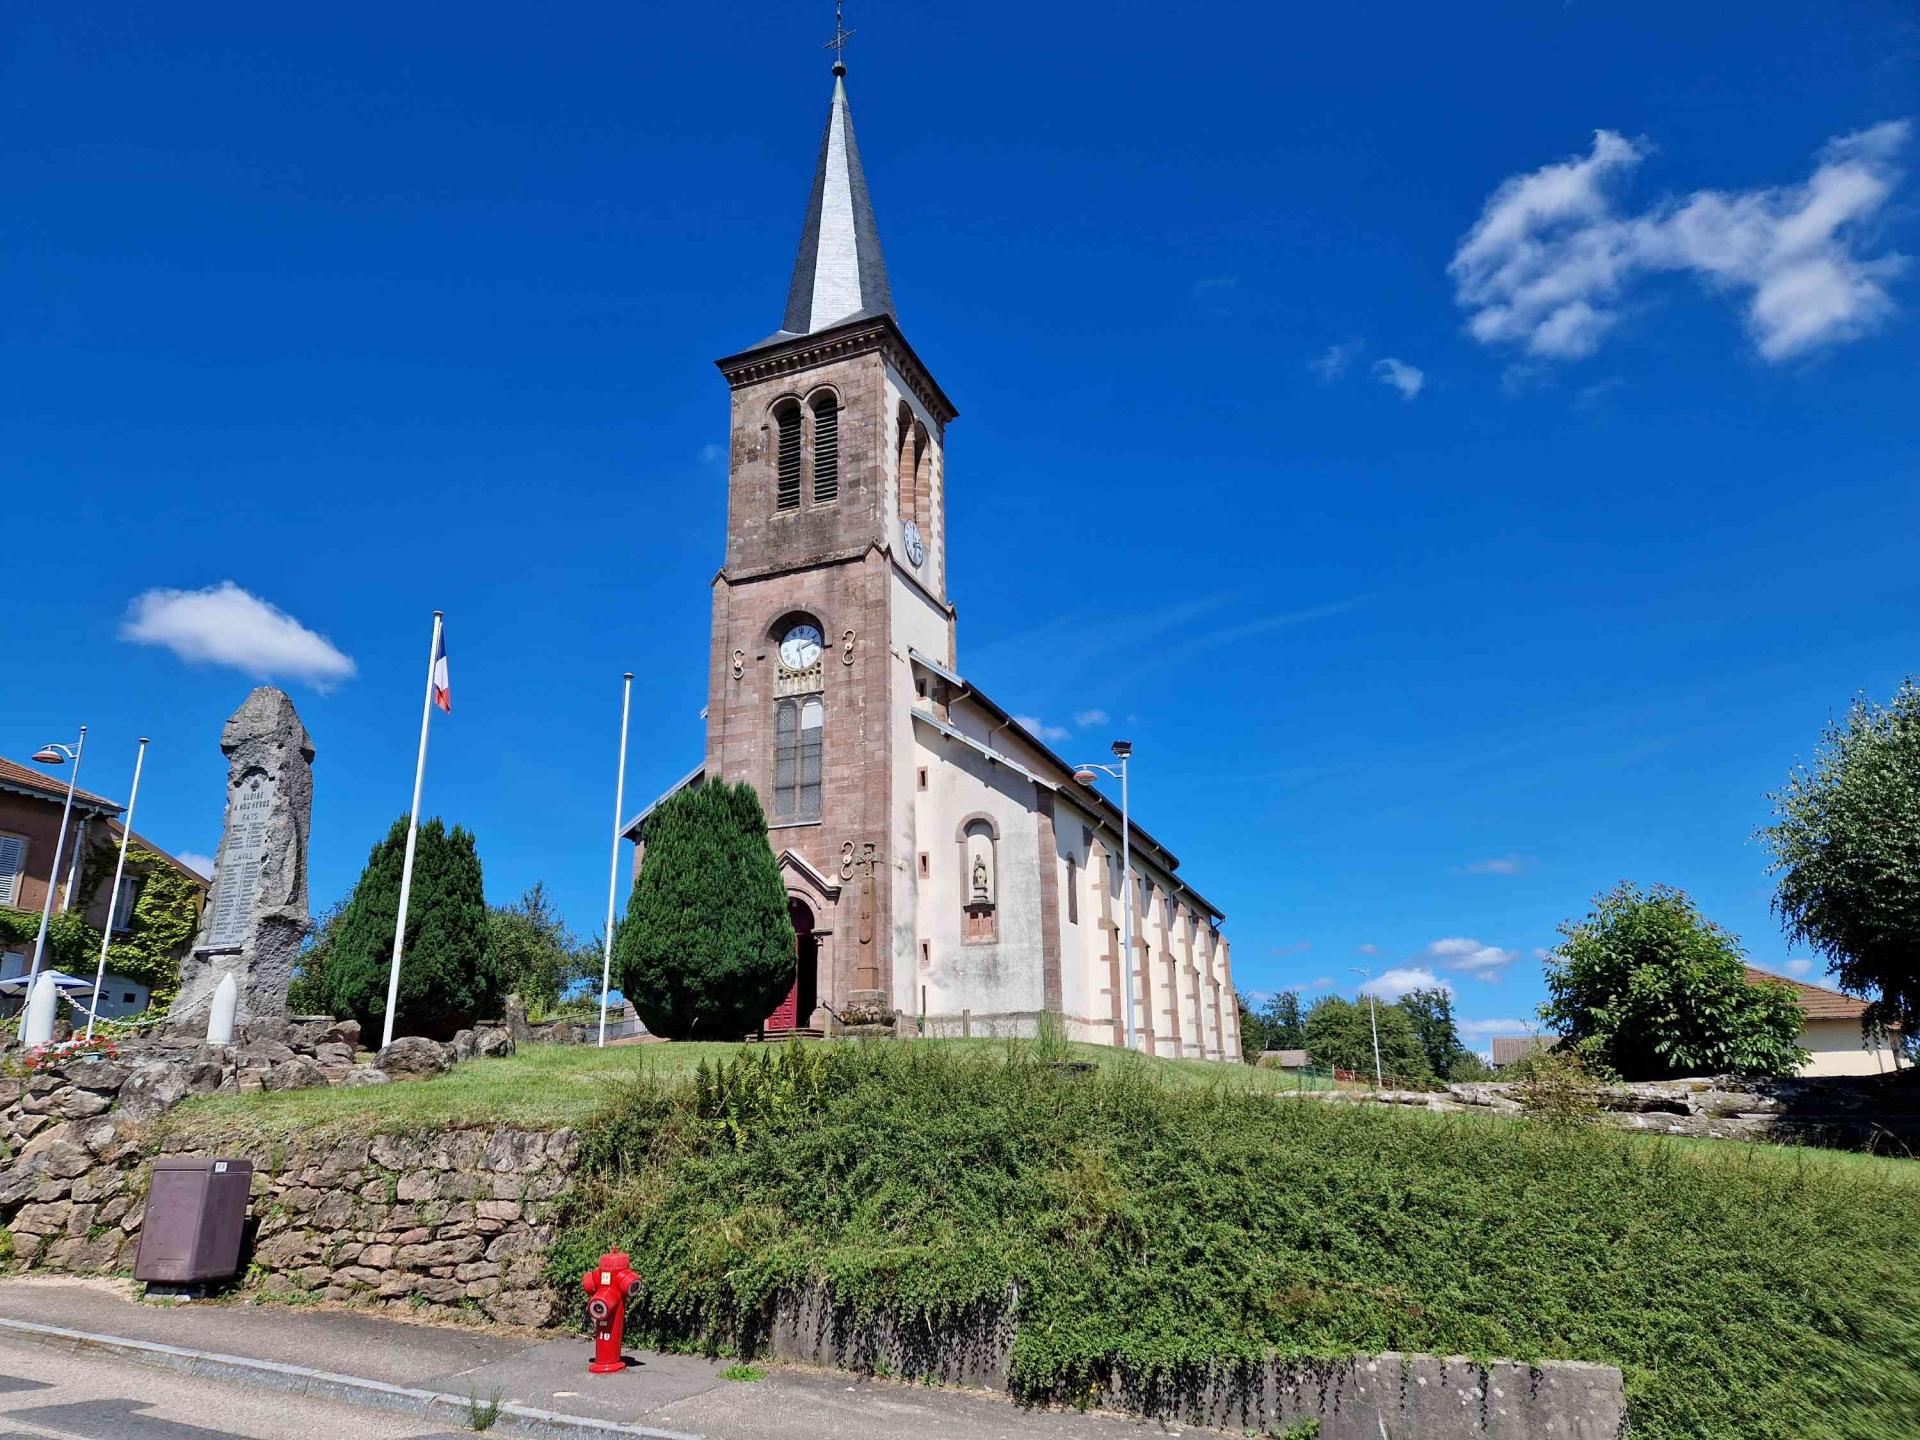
(1373, 1018)
(56, 755)
(1122, 750)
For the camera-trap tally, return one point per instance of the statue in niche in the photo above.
(980, 896)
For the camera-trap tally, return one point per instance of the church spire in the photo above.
(839, 272)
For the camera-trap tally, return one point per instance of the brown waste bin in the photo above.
(196, 1215)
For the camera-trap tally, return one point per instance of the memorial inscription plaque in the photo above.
(240, 878)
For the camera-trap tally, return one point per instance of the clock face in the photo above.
(800, 647)
(916, 548)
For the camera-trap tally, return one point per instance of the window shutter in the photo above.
(13, 857)
(826, 451)
(788, 488)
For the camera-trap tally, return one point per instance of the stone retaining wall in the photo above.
(452, 1224)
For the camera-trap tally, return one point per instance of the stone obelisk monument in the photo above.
(256, 915)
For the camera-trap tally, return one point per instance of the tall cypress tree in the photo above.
(447, 977)
(706, 950)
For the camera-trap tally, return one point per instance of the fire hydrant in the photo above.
(608, 1285)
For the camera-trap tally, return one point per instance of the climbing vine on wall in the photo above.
(149, 953)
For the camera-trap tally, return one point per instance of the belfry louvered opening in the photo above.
(826, 450)
(787, 457)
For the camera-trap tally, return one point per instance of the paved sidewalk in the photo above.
(676, 1393)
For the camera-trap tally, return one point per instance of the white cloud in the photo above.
(224, 625)
(1473, 956)
(1409, 380)
(1091, 717)
(1334, 363)
(1798, 967)
(1321, 982)
(1484, 1029)
(1551, 260)
(1392, 984)
(1367, 949)
(1035, 726)
(1500, 865)
(712, 453)
(201, 865)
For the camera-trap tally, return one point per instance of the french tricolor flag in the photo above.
(442, 696)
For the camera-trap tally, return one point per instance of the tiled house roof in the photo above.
(1816, 1001)
(14, 776)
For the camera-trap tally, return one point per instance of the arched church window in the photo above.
(826, 449)
(787, 457)
(799, 727)
(909, 459)
(923, 477)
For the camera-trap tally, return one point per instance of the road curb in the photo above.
(324, 1385)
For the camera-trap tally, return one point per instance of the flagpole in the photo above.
(613, 867)
(413, 833)
(113, 895)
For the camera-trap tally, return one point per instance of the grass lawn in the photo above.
(547, 1086)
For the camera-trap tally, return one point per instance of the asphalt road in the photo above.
(46, 1392)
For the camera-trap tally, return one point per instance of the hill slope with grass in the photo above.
(1151, 1230)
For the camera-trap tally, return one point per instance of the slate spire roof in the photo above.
(839, 273)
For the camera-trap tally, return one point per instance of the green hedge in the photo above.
(1155, 1232)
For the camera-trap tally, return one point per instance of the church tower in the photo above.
(835, 571)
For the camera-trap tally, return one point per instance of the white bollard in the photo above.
(226, 998)
(37, 1027)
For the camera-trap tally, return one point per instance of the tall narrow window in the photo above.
(787, 458)
(1073, 891)
(799, 726)
(13, 859)
(826, 450)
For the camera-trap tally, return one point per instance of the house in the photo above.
(1509, 1048)
(1284, 1060)
(1830, 1029)
(30, 806)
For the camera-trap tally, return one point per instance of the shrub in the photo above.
(706, 950)
(1152, 1233)
(1651, 988)
(1340, 1033)
(1556, 1087)
(447, 978)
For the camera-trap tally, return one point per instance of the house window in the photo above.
(1073, 891)
(826, 450)
(799, 724)
(787, 457)
(13, 860)
(124, 899)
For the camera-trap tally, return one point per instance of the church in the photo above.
(943, 865)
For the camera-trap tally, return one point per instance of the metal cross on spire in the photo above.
(838, 44)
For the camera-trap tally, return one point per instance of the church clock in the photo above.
(800, 647)
(916, 547)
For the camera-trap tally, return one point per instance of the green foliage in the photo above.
(1556, 1087)
(1340, 1033)
(1846, 849)
(307, 994)
(149, 953)
(1649, 987)
(1151, 1232)
(447, 977)
(1276, 1025)
(537, 956)
(1431, 1012)
(707, 949)
(745, 1374)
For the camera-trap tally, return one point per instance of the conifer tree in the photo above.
(447, 977)
(706, 950)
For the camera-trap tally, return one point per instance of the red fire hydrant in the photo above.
(608, 1285)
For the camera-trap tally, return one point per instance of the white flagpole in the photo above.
(113, 896)
(413, 833)
(613, 867)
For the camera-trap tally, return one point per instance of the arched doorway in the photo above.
(796, 1007)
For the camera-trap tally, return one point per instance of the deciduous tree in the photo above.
(1846, 849)
(1648, 986)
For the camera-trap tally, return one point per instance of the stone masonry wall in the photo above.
(454, 1222)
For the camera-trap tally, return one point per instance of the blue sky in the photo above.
(1469, 452)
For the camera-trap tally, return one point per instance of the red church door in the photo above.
(797, 1005)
